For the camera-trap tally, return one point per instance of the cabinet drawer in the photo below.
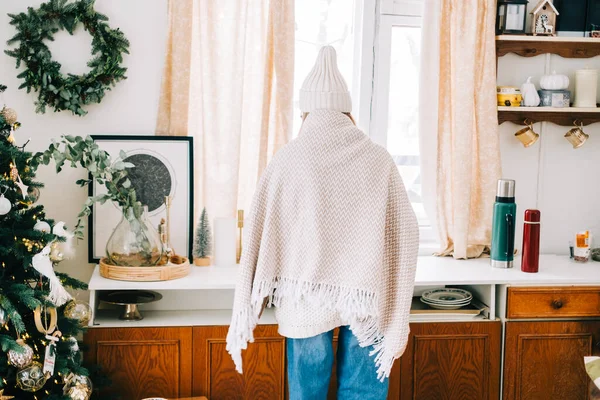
(553, 302)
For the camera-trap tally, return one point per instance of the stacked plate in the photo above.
(447, 298)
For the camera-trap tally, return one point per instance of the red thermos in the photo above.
(531, 241)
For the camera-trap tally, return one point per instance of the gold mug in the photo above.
(576, 136)
(527, 135)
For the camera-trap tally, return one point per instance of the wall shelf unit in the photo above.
(531, 46)
(559, 116)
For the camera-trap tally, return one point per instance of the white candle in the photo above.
(586, 82)
(225, 235)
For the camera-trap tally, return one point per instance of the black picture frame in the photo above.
(157, 142)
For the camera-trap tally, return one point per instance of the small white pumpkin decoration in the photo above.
(531, 98)
(554, 81)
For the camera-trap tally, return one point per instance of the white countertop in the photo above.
(431, 271)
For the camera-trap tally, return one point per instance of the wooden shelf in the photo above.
(559, 116)
(531, 46)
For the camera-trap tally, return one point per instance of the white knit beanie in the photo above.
(325, 87)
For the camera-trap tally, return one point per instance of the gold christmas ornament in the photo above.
(78, 387)
(31, 378)
(80, 311)
(45, 326)
(14, 172)
(33, 193)
(10, 115)
(56, 254)
(23, 358)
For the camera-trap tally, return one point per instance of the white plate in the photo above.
(445, 306)
(447, 295)
(442, 303)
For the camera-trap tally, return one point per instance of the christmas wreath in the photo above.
(42, 73)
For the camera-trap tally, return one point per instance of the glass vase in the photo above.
(134, 242)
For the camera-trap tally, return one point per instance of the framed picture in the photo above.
(164, 166)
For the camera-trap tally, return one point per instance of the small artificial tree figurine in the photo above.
(202, 241)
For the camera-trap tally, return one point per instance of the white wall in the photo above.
(561, 182)
(130, 108)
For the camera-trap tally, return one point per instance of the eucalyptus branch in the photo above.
(77, 151)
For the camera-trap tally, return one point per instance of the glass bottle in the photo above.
(134, 242)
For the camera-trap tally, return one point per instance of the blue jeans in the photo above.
(309, 364)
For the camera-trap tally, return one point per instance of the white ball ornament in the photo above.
(42, 226)
(5, 205)
(23, 358)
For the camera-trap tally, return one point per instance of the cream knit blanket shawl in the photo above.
(331, 223)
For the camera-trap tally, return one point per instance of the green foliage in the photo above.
(42, 74)
(21, 286)
(203, 239)
(77, 151)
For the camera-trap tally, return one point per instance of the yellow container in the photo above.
(509, 96)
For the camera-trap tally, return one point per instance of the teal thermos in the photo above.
(503, 225)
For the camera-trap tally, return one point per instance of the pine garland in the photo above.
(42, 74)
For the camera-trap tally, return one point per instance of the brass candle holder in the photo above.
(240, 224)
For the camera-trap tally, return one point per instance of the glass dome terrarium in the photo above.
(134, 242)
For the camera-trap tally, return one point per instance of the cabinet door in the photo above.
(264, 365)
(143, 362)
(544, 360)
(452, 361)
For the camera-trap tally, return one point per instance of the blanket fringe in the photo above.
(240, 333)
(356, 307)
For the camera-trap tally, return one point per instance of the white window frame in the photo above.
(373, 80)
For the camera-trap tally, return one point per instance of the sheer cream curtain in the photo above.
(458, 122)
(228, 82)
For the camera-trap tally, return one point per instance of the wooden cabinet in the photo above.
(143, 362)
(544, 360)
(263, 363)
(446, 361)
(553, 302)
(452, 361)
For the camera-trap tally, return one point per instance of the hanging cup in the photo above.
(527, 135)
(576, 136)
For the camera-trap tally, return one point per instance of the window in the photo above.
(320, 23)
(378, 44)
(394, 118)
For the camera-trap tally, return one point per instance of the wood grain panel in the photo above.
(532, 48)
(543, 360)
(143, 362)
(553, 302)
(263, 362)
(452, 361)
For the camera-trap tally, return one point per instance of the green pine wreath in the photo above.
(42, 74)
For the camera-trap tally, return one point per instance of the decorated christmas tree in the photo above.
(39, 320)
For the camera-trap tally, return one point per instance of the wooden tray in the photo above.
(145, 274)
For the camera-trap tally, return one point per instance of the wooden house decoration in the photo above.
(544, 18)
